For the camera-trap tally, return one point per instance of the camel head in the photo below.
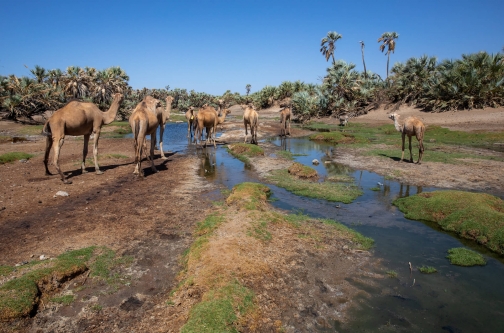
(169, 100)
(393, 116)
(226, 111)
(118, 97)
(151, 102)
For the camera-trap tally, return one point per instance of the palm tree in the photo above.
(40, 73)
(328, 44)
(363, 62)
(247, 87)
(388, 39)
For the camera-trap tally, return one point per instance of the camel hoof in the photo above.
(84, 171)
(66, 181)
(164, 157)
(99, 172)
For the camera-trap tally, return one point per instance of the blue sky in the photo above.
(213, 46)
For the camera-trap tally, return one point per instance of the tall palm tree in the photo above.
(40, 73)
(247, 87)
(328, 45)
(363, 62)
(388, 39)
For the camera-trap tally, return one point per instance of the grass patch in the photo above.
(302, 171)
(464, 257)
(220, 310)
(285, 154)
(337, 138)
(376, 189)
(392, 274)
(14, 156)
(243, 151)
(121, 129)
(362, 241)
(251, 196)
(260, 231)
(65, 299)
(174, 118)
(427, 269)
(476, 216)
(329, 191)
(106, 267)
(31, 129)
(19, 296)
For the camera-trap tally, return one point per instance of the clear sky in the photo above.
(213, 46)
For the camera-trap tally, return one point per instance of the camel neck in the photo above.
(398, 126)
(110, 115)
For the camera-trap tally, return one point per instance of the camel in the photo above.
(77, 118)
(143, 122)
(343, 119)
(285, 118)
(209, 119)
(162, 117)
(251, 119)
(411, 126)
(190, 117)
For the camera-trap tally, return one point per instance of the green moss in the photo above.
(476, 216)
(243, 151)
(427, 269)
(463, 257)
(326, 190)
(14, 156)
(220, 310)
(65, 299)
(376, 189)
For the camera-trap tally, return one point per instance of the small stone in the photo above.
(61, 194)
(24, 160)
(315, 162)
(43, 257)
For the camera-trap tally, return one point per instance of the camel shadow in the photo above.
(147, 171)
(91, 169)
(397, 159)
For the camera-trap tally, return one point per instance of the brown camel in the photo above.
(208, 118)
(343, 119)
(190, 117)
(251, 119)
(162, 117)
(143, 122)
(285, 118)
(411, 126)
(77, 118)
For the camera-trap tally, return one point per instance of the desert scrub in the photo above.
(220, 309)
(476, 216)
(302, 171)
(243, 151)
(329, 191)
(13, 156)
(427, 269)
(463, 257)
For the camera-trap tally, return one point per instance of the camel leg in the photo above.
(161, 133)
(95, 152)
(84, 153)
(57, 149)
(410, 152)
(402, 155)
(189, 129)
(245, 123)
(49, 142)
(152, 146)
(139, 145)
(420, 150)
(289, 127)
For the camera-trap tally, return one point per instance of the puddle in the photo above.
(455, 299)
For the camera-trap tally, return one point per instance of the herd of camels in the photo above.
(84, 118)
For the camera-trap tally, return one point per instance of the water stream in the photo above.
(455, 299)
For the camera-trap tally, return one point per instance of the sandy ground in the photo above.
(153, 219)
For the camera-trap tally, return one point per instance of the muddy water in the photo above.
(455, 299)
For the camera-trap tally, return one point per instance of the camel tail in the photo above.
(46, 131)
(136, 131)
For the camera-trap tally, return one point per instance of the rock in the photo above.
(61, 194)
(315, 162)
(24, 160)
(43, 257)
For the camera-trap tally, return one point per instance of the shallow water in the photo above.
(455, 299)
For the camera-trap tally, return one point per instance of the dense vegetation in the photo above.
(474, 81)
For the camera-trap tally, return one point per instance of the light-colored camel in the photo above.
(250, 119)
(208, 118)
(343, 119)
(285, 119)
(77, 118)
(411, 126)
(143, 122)
(190, 117)
(163, 116)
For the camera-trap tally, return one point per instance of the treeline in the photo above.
(474, 81)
